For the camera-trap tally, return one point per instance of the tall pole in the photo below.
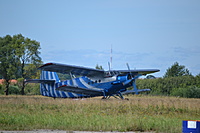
(111, 58)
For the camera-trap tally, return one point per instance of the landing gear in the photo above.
(117, 96)
(126, 99)
(105, 97)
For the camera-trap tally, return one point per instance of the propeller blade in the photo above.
(135, 88)
(128, 66)
(129, 69)
(128, 81)
(132, 80)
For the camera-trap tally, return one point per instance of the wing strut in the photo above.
(72, 77)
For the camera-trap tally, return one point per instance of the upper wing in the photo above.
(77, 70)
(139, 71)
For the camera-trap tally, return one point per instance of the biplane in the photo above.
(88, 82)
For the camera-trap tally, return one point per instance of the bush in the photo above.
(14, 90)
(32, 89)
(189, 92)
(184, 86)
(1, 90)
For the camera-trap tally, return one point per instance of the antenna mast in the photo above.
(111, 58)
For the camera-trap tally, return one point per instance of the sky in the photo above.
(142, 33)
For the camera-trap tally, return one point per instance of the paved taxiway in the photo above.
(61, 131)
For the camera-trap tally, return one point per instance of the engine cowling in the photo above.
(123, 78)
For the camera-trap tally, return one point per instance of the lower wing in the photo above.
(79, 90)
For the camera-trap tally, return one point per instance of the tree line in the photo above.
(20, 58)
(177, 81)
(182, 86)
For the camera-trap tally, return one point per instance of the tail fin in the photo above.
(47, 75)
(49, 81)
(47, 88)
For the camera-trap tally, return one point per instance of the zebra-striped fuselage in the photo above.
(49, 89)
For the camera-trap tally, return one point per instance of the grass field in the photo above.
(140, 113)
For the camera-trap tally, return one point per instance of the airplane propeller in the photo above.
(132, 80)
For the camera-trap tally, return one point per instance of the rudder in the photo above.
(47, 75)
(48, 89)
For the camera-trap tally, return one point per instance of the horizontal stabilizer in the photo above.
(133, 91)
(40, 81)
(79, 90)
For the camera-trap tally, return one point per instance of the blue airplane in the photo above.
(89, 83)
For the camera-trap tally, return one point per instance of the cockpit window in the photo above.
(111, 73)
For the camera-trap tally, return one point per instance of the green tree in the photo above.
(27, 53)
(177, 70)
(8, 61)
(99, 67)
(19, 58)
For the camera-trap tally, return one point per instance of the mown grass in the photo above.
(160, 114)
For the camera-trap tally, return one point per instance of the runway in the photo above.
(61, 131)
